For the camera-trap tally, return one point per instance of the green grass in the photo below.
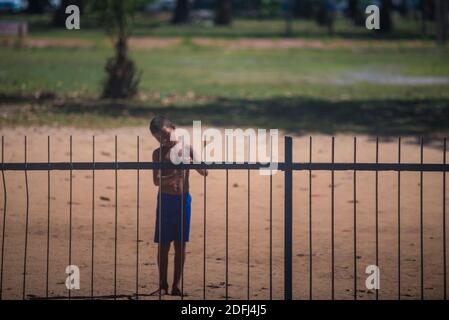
(294, 89)
(225, 73)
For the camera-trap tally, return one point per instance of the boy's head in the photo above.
(161, 128)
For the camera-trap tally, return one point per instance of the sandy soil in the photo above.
(215, 213)
(141, 42)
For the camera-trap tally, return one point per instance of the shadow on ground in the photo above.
(301, 115)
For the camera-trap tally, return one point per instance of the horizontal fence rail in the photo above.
(287, 167)
(297, 166)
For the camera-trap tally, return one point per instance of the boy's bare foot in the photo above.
(160, 291)
(175, 291)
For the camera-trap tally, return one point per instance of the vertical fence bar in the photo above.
(249, 219)
(203, 156)
(137, 221)
(160, 218)
(26, 225)
(4, 218)
(115, 223)
(288, 218)
(421, 220)
(70, 213)
(271, 220)
(444, 225)
(355, 220)
(227, 225)
(333, 221)
(182, 219)
(377, 210)
(93, 223)
(399, 221)
(310, 223)
(48, 218)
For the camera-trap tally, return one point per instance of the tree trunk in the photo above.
(441, 20)
(353, 7)
(287, 10)
(326, 15)
(355, 13)
(445, 22)
(37, 6)
(182, 12)
(123, 80)
(223, 12)
(423, 8)
(386, 21)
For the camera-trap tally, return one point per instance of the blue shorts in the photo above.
(171, 218)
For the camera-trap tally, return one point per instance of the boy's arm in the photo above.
(194, 157)
(156, 172)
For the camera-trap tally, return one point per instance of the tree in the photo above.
(37, 6)
(181, 13)
(326, 14)
(404, 8)
(287, 7)
(223, 12)
(427, 8)
(306, 9)
(441, 11)
(355, 13)
(116, 16)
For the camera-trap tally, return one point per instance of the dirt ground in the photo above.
(259, 276)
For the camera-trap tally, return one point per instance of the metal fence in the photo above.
(288, 167)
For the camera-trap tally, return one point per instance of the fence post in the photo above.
(288, 218)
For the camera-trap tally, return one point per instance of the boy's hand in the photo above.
(184, 154)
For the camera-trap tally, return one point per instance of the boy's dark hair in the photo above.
(158, 122)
